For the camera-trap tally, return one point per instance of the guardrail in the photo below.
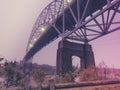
(53, 86)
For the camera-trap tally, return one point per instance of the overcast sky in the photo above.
(17, 18)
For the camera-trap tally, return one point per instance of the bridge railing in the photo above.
(53, 86)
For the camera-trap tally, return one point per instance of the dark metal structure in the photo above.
(68, 49)
(78, 20)
(81, 20)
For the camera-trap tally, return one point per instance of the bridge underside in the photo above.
(68, 49)
(81, 20)
(70, 23)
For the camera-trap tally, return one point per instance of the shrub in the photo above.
(89, 74)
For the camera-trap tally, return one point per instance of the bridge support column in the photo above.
(68, 49)
(27, 69)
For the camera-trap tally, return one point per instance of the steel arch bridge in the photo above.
(79, 20)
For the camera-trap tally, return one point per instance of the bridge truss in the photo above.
(79, 20)
(84, 28)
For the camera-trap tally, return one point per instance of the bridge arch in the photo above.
(79, 20)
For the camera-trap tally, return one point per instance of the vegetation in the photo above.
(102, 72)
(14, 75)
(45, 67)
(38, 76)
(90, 74)
(67, 77)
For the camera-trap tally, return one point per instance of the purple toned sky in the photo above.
(17, 18)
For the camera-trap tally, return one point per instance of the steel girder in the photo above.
(104, 21)
(81, 20)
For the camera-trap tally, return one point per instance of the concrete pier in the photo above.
(67, 49)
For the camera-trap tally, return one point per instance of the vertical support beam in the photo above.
(63, 18)
(68, 49)
(88, 56)
(86, 9)
(64, 60)
(51, 84)
(27, 69)
(78, 10)
(27, 80)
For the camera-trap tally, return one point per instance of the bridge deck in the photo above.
(70, 23)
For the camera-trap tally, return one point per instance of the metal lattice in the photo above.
(86, 29)
(70, 24)
(46, 19)
(65, 18)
